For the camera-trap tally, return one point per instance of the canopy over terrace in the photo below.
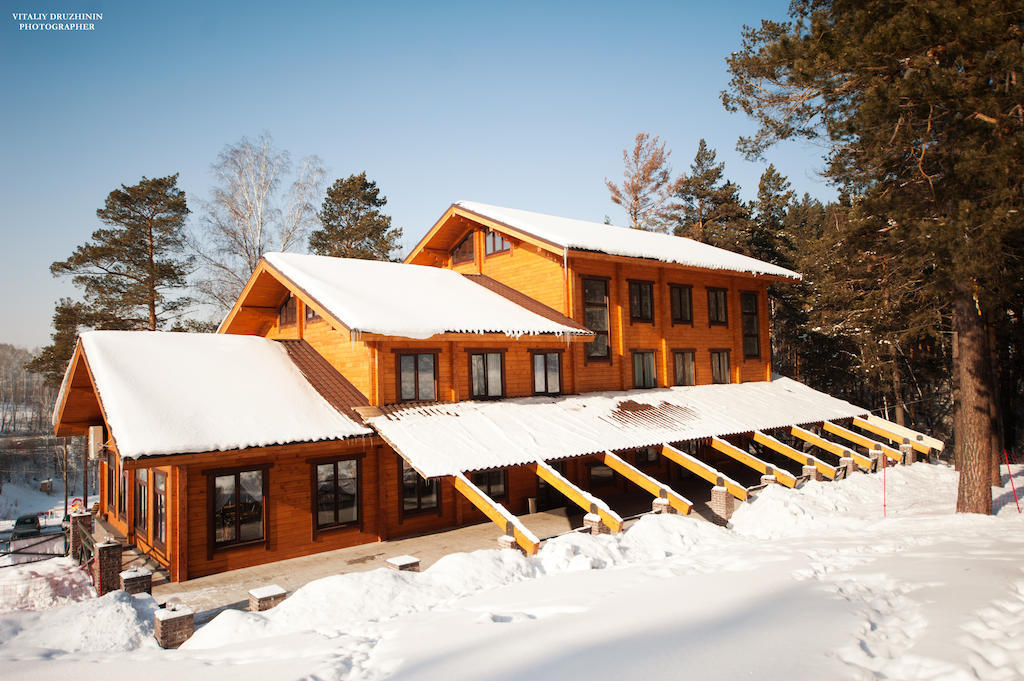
(449, 439)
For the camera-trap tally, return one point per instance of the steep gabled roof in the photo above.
(557, 233)
(181, 393)
(410, 301)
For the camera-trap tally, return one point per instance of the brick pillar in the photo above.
(722, 505)
(768, 479)
(404, 563)
(812, 473)
(507, 541)
(173, 625)
(265, 597)
(592, 522)
(137, 581)
(909, 453)
(877, 460)
(106, 567)
(660, 505)
(846, 462)
(77, 521)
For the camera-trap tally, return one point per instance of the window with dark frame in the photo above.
(337, 493)
(750, 325)
(492, 483)
(287, 316)
(685, 367)
(311, 315)
(720, 366)
(646, 456)
(417, 377)
(122, 492)
(644, 373)
(418, 493)
(641, 301)
(486, 375)
(718, 306)
(238, 503)
(681, 303)
(464, 251)
(547, 373)
(600, 475)
(110, 482)
(159, 508)
(139, 510)
(495, 243)
(595, 317)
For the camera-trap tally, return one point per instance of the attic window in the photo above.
(287, 314)
(463, 251)
(495, 243)
(311, 314)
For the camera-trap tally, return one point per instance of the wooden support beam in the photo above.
(897, 433)
(752, 461)
(828, 446)
(588, 502)
(861, 440)
(705, 471)
(796, 455)
(498, 514)
(646, 482)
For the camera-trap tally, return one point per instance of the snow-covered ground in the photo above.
(808, 584)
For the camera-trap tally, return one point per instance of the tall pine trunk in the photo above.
(971, 366)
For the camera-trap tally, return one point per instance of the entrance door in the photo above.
(547, 496)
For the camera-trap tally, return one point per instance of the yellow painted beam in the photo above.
(646, 482)
(828, 446)
(497, 513)
(752, 461)
(861, 440)
(796, 455)
(584, 500)
(705, 471)
(897, 433)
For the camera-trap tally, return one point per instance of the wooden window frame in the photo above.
(712, 290)
(160, 544)
(470, 353)
(402, 512)
(469, 237)
(636, 316)
(288, 312)
(533, 377)
(399, 354)
(673, 289)
(213, 546)
(728, 369)
(356, 524)
(486, 487)
(748, 295)
(684, 351)
(140, 503)
(111, 480)
(602, 484)
(312, 315)
(122, 492)
(587, 357)
(646, 464)
(498, 236)
(654, 360)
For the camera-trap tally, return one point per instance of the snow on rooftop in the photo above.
(177, 393)
(446, 439)
(634, 243)
(412, 301)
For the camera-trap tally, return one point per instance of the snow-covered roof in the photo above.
(445, 439)
(412, 301)
(634, 243)
(178, 393)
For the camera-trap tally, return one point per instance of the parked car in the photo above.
(26, 526)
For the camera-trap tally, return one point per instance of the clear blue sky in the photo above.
(517, 104)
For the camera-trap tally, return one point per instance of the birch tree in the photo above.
(647, 185)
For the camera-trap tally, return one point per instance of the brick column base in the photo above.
(662, 506)
(106, 567)
(137, 581)
(77, 521)
(507, 541)
(265, 597)
(847, 463)
(593, 522)
(909, 454)
(768, 479)
(812, 473)
(722, 505)
(404, 563)
(173, 625)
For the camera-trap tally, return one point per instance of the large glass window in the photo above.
(600, 475)
(337, 493)
(464, 251)
(417, 377)
(718, 306)
(681, 302)
(159, 508)
(547, 373)
(238, 507)
(685, 367)
(646, 456)
(418, 493)
(122, 492)
(141, 498)
(644, 375)
(751, 325)
(110, 481)
(641, 301)
(287, 314)
(492, 483)
(595, 317)
(719, 366)
(486, 374)
(495, 243)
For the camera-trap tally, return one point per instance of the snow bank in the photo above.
(44, 584)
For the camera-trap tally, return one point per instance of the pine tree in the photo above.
(647, 185)
(352, 224)
(711, 209)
